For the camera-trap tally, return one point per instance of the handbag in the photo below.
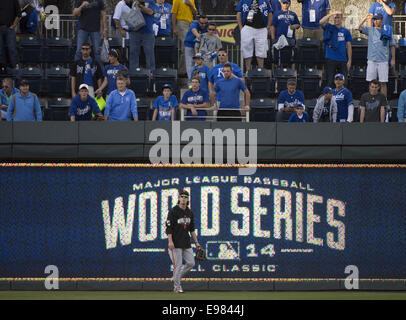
(134, 18)
(104, 54)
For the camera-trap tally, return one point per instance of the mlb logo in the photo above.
(223, 250)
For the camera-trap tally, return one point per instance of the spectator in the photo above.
(83, 105)
(9, 17)
(6, 93)
(287, 100)
(182, 16)
(402, 106)
(217, 72)
(87, 71)
(24, 106)
(373, 104)
(122, 8)
(202, 71)
(254, 21)
(299, 115)
(195, 98)
(343, 97)
(121, 103)
(110, 73)
(89, 13)
(276, 6)
(165, 105)
(326, 107)
(228, 92)
(194, 34)
(337, 41)
(312, 12)
(29, 18)
(208, 45)
(163, 18)
(144, 37)
(378, 50)
(284, 22)
(385, 8)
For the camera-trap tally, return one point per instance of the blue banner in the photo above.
(282, 222)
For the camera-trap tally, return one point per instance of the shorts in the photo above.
(378, 71)
(250, 38)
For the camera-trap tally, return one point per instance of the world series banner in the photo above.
(285, 221)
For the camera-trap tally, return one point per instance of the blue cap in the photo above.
(299, 104)
(377, 16)
(167, 85)
(285, 1)
(198, 56)
(327, 90)
(340, 76)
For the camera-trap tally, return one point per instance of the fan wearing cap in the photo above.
(201, 70)
(24, 106)
(343, 97)
(378, 50)
(326, 107)
(179, 224)
(299, 115)
(83, 105)
(110, 73)
(385, 8)
(287, 100)
(208, 45)
(165, 106)
(195, 97)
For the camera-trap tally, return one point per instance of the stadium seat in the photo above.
(281, 78)
(262, 110)
(402, 81)
(30, 50)
(166, 52)
(283, 57)
(394, 110)
(144, 109)
(59, 109)
(56, 82)
(140, 81)
(310, 104)
(392, 79)
(308, 52)
(165, 75)
(259, 82)
(359, 51)
(401, 54)
(34, 77)
(57, 50)
(357, 83)
(309, 81)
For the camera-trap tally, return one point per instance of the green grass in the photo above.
(200, 295)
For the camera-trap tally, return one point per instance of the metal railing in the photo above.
(245, 115)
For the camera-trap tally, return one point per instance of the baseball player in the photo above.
(178, 225)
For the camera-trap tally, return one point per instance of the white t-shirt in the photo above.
(121, 8)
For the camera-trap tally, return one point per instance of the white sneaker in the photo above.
(180, 290)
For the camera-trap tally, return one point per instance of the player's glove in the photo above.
(200, 254)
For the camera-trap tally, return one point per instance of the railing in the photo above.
(245, 115)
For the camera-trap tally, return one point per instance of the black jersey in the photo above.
(179, 223)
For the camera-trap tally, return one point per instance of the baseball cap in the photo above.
(24, 82)
(85, 86)
(198, 56)
(377, 16)
(167, 85)
(340, 76)
(299, 104)
(327, 90)
(184, 193)
(291, 82)
(284, 1)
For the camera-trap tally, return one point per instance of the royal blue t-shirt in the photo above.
(195, 97)
(343, 99)
(378, 8)
(82, 110)
(320, 7)
(88, 77)
(190, 37)
(289, 100)
(217, 72)
(229, 92)
(276, 6)
(165, 107)
(295, 118)
(282, 20)
(342, 35)
(110, 72)
(149, 20)
(203, 74)
(162, 17)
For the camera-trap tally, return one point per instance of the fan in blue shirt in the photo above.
(313, 11)
(195, 98)
(343, 96)
(287, 100)
(83, 105)
(162, 16)
(110, 73)
(165, 105)
(202, 71)
(121, 103)
(283, 20)
(383, 7)
(299, 115)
